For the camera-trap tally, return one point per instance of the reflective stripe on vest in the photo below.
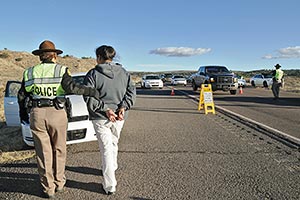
(44, 80)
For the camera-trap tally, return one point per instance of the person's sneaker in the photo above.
(110, 193)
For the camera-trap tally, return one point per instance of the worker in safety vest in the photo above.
(277, 81)
(46, 85)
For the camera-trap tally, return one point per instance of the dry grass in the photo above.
(6, 157)
(292, 84)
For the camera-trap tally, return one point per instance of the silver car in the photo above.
(261, 80)
(178, 80)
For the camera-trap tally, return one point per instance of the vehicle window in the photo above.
(178, 77)
(13, 89)
(213, 70)
(78, 79)
(257, 76)
(202, 69)
(152, 77)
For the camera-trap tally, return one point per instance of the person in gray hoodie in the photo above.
(117, 96)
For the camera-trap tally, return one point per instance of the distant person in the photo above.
(117, 96)
(277, 81)
(45, 85)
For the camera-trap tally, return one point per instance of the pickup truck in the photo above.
(219, 77)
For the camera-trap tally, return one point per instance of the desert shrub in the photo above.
(4, 55)
(66, 56)
(85, 57)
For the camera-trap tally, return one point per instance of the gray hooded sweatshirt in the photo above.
(115, 87)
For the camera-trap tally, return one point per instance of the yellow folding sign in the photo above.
(206, 101)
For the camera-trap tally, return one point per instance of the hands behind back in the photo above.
(112, 116)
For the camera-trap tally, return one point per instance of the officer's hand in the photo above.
(93, 92)
(97, 94)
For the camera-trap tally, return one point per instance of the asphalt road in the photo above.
(169, 150)
(257, 104)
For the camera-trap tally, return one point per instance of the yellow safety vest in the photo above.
(44, 80)
(278, 75)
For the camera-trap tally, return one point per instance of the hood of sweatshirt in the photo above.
(108, 69)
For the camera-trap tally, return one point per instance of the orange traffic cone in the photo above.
(172, 92)
(241, 90)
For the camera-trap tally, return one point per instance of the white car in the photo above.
(80, 128)
(261, 80)
(241, 81)
(178, 80)
(152, 80)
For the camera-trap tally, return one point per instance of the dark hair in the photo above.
(47, 56)
(106, 52)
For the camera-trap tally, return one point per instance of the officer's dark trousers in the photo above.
(49, 129)
(275, 89)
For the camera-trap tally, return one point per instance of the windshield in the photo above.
(214, 70)
(178, 77)
(168, 75)
(152, 77)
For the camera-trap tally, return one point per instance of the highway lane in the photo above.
(258, 104)
(170, 150)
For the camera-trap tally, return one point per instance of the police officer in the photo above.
(46, 84)
(277, 81)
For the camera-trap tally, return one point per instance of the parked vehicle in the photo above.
(178, 80)
(261, 80)
(190, 78)
(219, 77)
(167, 77)
(152, 80)
(80, 128)
(241, 81)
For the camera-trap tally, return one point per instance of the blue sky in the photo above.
(160, 35)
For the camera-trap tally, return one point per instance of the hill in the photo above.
(13, 64)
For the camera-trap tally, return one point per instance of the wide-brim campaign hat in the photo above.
(46, 46)
(277, 66)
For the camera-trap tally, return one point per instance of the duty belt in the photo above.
(42, 103)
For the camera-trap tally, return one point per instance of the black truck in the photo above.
(219, 77)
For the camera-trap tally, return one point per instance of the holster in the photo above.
(59, 103)
(28, 104)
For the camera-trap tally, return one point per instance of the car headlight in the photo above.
(212, 80)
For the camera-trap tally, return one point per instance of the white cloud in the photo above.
(268, 56)
(288, 52)
(180, 51)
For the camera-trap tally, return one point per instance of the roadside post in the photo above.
(206, 101)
